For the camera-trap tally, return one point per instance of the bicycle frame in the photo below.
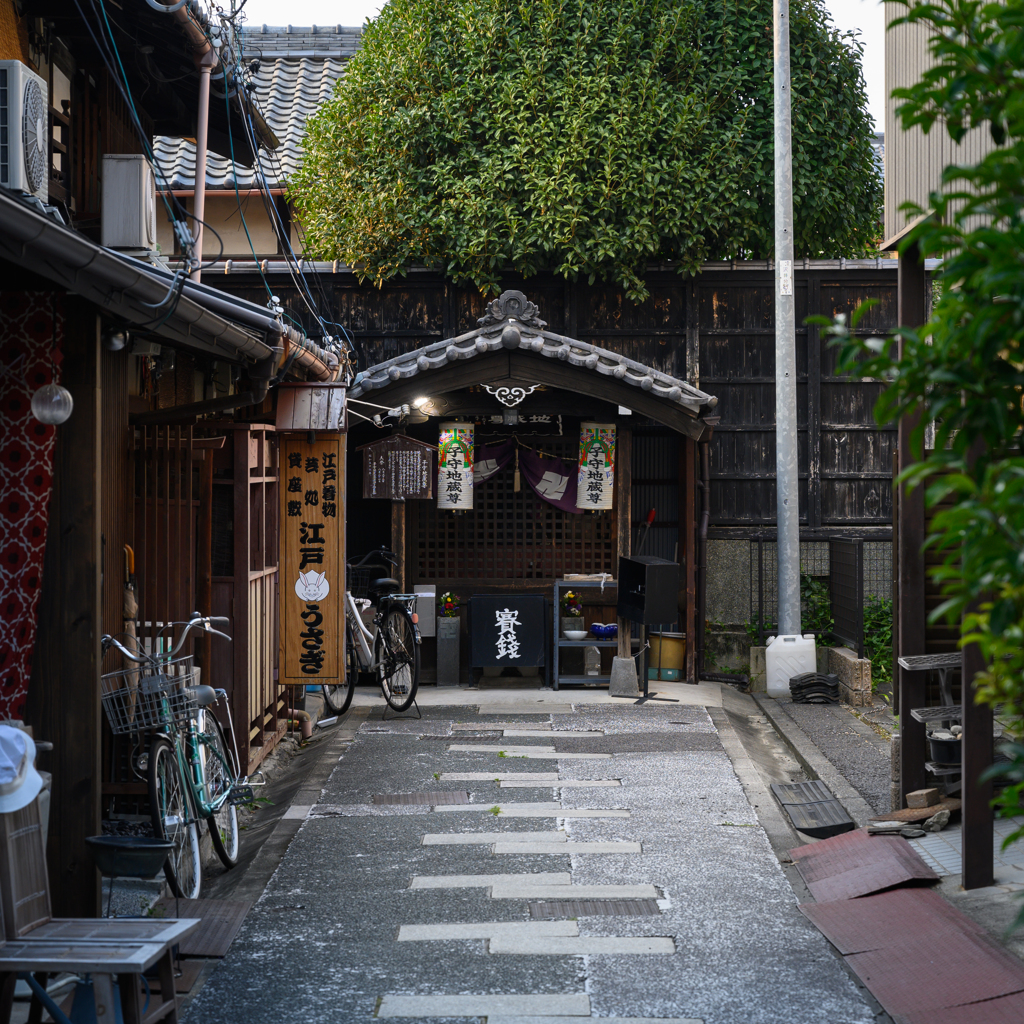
(363, 636)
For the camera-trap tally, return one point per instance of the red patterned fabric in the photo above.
(31, 326)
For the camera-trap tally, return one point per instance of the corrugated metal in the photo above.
(914, 162)
(297, 74)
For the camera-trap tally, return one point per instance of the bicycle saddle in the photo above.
(204, 695)
(384, 586)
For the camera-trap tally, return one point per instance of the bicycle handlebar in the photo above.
(197, 621)
(383, 554)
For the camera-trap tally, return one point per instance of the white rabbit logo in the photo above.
(311, 586)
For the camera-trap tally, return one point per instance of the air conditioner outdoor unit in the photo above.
(24, 127)
(129, 203)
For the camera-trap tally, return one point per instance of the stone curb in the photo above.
(813, 760)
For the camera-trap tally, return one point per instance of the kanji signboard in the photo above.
(507, 631)
(596, 484)
(398, 467)
(455, 466)
(312, 559)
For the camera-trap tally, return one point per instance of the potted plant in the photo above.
(572, 612)
(449, 627)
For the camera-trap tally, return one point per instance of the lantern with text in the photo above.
(312, 559)
(596, 485)
(455, 467)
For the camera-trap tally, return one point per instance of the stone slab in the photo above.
(538, 1006)
(498, 1019)
(486, 838)
(504, 748)
(539, 708)
(547, 733)
(498, 776)
(486, 930)
(561, 783)
(546, 805)
(297, 812)
(586, 945)
(525, 888)
(570, 848)
(538, 880)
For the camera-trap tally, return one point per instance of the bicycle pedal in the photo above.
(241, 795)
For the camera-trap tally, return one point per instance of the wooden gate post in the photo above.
(64, 694)
(624, 524)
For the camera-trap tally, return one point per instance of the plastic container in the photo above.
(668, 652)
(671, 675)
(945, 751)
(788, 656)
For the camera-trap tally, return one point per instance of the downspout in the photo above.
(207, 61)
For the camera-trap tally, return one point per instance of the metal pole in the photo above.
(206, 64)
(786, 476)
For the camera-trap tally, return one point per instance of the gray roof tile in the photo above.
(297, 73)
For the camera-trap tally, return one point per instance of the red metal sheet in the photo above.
(856, 864)
(1004, 1010)
(884, 920)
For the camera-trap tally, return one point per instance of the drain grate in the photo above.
(447, 797)
(594, 908)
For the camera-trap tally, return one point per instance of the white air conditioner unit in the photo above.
(24, 130)
(129, 203)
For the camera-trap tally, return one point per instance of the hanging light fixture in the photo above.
(52, 404)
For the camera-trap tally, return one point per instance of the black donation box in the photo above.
(507, 630)
(648, 590)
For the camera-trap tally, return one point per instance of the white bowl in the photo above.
(575, 634)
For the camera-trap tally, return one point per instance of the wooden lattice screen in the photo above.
(512, 535)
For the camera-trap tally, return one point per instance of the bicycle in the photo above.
(191, 773)
(392, 649)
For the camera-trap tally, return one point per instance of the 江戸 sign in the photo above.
(312, 558)
(455, 466)
(596, 483)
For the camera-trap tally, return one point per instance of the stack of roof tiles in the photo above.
(297, 73)
(814, 688)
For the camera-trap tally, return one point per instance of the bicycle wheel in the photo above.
(398, 658)
(169, 809)
(221, 772)
(338, 698)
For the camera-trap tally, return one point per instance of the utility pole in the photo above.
(787, 481)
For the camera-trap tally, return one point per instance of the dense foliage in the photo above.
(584, 137)
(878, 621)
(964, 369)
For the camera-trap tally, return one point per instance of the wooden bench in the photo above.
(106, 948)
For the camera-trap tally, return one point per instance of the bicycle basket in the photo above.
(149, 697)
(357, 579)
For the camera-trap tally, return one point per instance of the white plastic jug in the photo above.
(788, 656)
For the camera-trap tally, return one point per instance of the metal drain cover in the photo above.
(594, 908)
(447, 797)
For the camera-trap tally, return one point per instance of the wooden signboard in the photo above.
(312, 580)
(398, 467)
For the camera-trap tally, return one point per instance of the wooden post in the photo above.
(978, 753)
(398, 541)
(910, 528)
(688, 475)
(624, 523)
(204, 561)
(64, 694)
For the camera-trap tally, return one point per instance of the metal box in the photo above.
(128, 214)
(648, 590)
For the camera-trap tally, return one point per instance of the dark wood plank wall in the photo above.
(717, 331)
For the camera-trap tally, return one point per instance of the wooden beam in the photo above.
(688, 475)
(623, 522)
(398, 541)
(63, 701)
(910, 603)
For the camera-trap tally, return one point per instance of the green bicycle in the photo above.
(192, 773)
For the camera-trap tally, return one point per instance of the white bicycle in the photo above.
(391, 650)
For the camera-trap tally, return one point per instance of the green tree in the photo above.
(964, 369)
(583, 137)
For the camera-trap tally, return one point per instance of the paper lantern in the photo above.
(455, 466)
(596, 484)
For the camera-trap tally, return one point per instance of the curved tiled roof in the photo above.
(512, 323)
(298, 69)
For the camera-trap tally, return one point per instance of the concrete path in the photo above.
(431, 915)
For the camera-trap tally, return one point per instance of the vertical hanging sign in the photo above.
(312, 559)
(596, 485)
(455, 466)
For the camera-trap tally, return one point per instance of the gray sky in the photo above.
(865, 15)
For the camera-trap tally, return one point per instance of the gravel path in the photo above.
(861, 755)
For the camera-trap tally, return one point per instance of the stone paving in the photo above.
(423, 913)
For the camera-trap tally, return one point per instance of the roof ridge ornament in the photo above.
(512, 305)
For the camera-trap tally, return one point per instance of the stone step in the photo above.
(538, 879)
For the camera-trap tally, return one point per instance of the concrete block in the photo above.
(758, 670)
(623, 678)
(923, 798)
(854, 676)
